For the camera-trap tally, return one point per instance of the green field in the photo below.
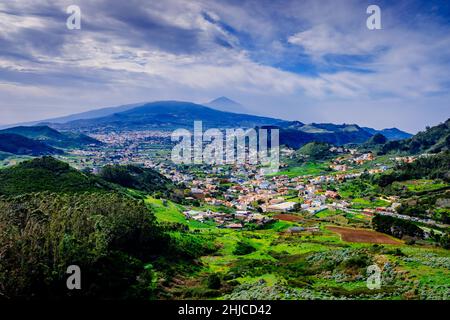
(314, 266)
(310, 168)
(421, 185)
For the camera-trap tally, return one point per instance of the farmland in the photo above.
(326, 263)
(364, 236)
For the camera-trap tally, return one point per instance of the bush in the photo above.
(213, 282)
(243, 248)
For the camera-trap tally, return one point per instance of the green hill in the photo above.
(427, 167)
(20, 145)
(47, 174)
(143, 179)
(374, 143)
(432, 140)
(53, 137)
(315, 150)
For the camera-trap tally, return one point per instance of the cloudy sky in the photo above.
(313, 61)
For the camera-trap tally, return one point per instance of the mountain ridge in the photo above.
(20, 145)
(53, 137)
(170, 115)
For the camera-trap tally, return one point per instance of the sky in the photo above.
(311, 60)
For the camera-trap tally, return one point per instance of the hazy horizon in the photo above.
(204, 103)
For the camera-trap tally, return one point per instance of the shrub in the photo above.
(243, 248)
(213, 282)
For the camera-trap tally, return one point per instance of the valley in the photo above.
(343, 199)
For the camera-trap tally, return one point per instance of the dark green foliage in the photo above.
(358, 261)
(315, 150)
(108, 235)
(17, 144)
(47, 174)
(243, 248)
(358, 188)
(143, 179)
(377, 139)
(189, 245)
(396, 227)
(430, 167)
(434, 139)
(374, 144)
(444, 241)
(214, 282)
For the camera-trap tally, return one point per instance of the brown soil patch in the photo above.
(287, 217)
(365, 236)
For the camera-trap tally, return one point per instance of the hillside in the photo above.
(143, 179)
(374, 143)
(20, 145)
(390, 133)
(53, 137)
(298, 134)
(167, 115)
(315, 150)
(428, 167)
(47, 174)
(432, 140)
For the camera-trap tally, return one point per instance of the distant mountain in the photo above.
(143, 179)
(20, 145)
(53, 137)
(102, 112)
(167, 115)
(47, 174)
(170, 115)
(391, 133)
(4, 155)
(432, 140)
(226, 104)
(296, 134)
(290, 124)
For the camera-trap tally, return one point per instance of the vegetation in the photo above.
(315, 151)
(243, 248)
(396, 227)
(432, 140)
(47, 174)
(107, 235)
(142, 179)
(19, 145)
(429, 167)
(53, 137)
